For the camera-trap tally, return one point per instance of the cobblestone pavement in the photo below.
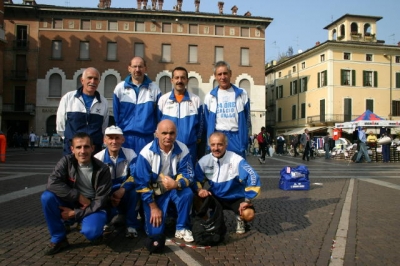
(290, 228)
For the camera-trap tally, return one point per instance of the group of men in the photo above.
(150, 159)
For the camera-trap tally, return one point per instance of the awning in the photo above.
(300, 130)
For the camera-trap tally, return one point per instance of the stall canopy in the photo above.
(300, 130)
(368, 119)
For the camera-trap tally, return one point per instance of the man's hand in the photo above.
(244, 205)
(156, 215)
(203, 193)
(117, 196)
(67, 213)
(168, 182)
(85, 202)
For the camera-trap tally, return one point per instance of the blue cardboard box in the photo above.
(293, 185)
(294, 178)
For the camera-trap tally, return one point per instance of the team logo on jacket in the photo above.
(98, 110)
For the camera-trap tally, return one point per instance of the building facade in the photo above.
(48, 47)
(337, 80)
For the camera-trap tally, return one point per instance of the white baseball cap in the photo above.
(113, 130)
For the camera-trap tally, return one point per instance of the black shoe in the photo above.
(54, 248)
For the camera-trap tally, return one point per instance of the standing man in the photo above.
(164, 173)
(327, 146)
(77, 190)
(295, 143)
(232, 181)
(227, 109)
(262, 142)
(83, 110)
(32, 140)
(363, 145)
(185, 110)
(122, 162)
(305, 141)
(135, 106)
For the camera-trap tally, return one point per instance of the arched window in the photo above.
(109, 85)
(354, 28)
(165, 84)
(342, 30)
(334, 35)
(193, 85)
(245, 84)
(51, 125)
(55, 85)
(367, 29)
(78, 81)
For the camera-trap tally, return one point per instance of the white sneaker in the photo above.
(240, 227)
(131, 232)
(185, 234)
(260, 160)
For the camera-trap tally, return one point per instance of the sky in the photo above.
(296, 23)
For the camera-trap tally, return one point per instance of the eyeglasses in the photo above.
(140, 67)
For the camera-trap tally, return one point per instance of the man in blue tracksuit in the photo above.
(164, 174)
(185, 110)
(232, 181)
(227, 109)
(84, 110)
(124, 198)
(135, 106)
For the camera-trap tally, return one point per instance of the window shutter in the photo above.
(375, 79)
(397, 80)
(319, 80)
(353, 77)
(305, 83)
(341, 77)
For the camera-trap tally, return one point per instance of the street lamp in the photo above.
(390, 76)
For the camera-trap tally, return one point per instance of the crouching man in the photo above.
(164, 173)
(233, 182)
(124, 199)
(77, 190)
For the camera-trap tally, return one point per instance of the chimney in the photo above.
(317, 43)
(398, 44)
(221, 7)
(104, 4)
(153, 4)
(197, 5)
(234, 10)
(179, 5)
(144, 4)
(160, 4)
(139, 4)
(29, 2)
(247, 14)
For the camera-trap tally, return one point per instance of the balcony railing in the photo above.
(20, 44)
(330, 118)
(19, 108)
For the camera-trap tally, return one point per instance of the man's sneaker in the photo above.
(240, 227)
(185, 234)
(260, 160)
(131, 232)
(54, 248)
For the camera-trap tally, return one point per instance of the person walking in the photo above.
(3, 147)
(263, 144)
(305, 140)
(363, 146)
(327, 146)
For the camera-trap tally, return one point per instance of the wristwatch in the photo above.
(247, 201)
(179, 185)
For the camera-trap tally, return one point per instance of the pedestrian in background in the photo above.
(327, 146)
(3, 147)
(32, 140)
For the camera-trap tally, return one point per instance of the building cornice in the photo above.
(42, 11)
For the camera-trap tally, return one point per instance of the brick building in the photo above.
(48, 47)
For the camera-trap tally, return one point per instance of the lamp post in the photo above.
(390, 76)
